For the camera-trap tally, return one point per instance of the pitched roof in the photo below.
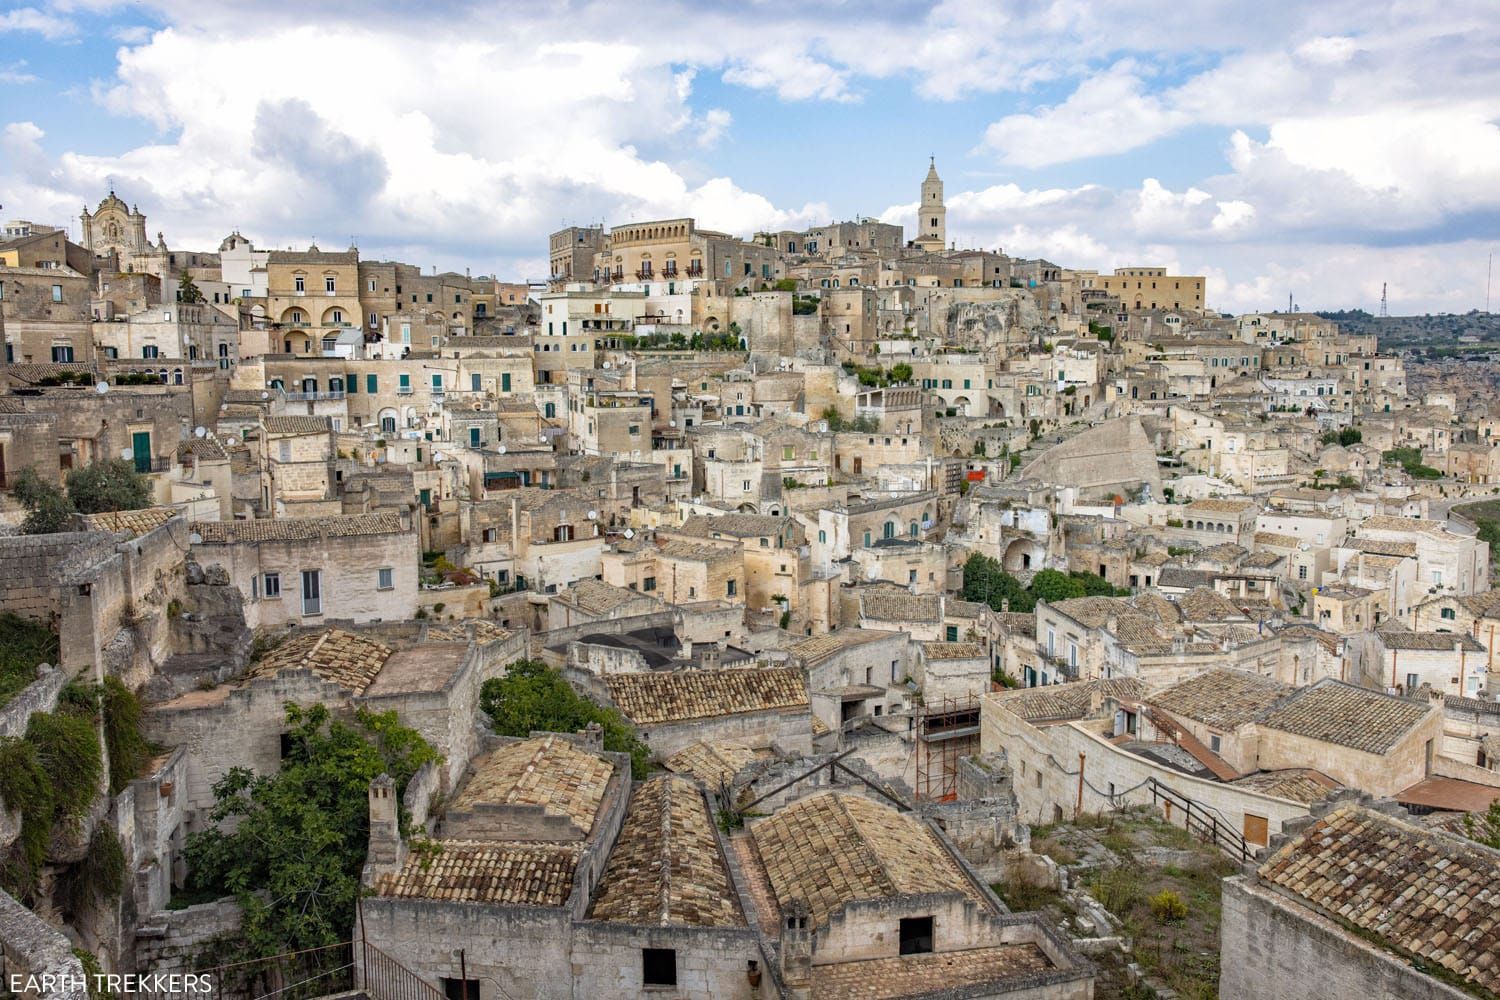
(1389, 522)
(1062, 702)
(136, 522)
(679, 695)
(831, 849)
(551, 772)
(1435, 642)
(714, 764)
(666, 869)
(1221, 698)
(1335, 712)
(1218, 505)
(1204, 604)
(344, 658)
(1300, 784)
(600, 598)
(958, 973)
(513, 873)
(297, 425)
(1425, 894)
(735, 525)
(896, 604)
(293, 529)
(820, 647)
(953, 650)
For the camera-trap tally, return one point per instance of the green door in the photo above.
(140, 443)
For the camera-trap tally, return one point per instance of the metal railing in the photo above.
(1203, 823)
(384, 978)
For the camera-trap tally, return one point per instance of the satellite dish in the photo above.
(195, 539)
(502, 449)
(264, 394)
(101, 387)
(437, 456)
(609, 364)
(126, 453)
(232, 442)
(629, 532)
(200, 431)
(593, 515)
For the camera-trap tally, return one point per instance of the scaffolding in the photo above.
(947, 730)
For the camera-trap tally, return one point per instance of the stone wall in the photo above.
(32, 947)
(38, 696)
(29, 566)
(172, 940)
(1271, 946)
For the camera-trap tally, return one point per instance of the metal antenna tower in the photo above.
(1384, 311)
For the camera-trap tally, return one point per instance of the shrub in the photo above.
(1117, 889)
(1168, 907)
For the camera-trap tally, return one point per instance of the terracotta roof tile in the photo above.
(344, 658)
(517, 874)
(1429, 896)
(1062, 702)
(831, 849)
(679, 695)
(1335, 712)
(714, 764)
(965, 972)
(666, 869)
(1221, 698)
(136, 522)
(551, 772)
(292, 529)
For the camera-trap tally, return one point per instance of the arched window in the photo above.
(549, 410)
(822, 538)
(914, 529)
(889, 531)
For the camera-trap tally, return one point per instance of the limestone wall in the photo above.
(1272, 947)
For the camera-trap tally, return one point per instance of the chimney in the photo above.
(386, 846)
(1004, 605)
(593, 736)
(796, 949)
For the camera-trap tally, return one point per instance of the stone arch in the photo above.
(1023, 555)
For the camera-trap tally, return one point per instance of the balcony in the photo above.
(403, 390)
(312, 397)
(695, 271)
(644, 274)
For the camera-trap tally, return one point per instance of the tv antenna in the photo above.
(1384, 310)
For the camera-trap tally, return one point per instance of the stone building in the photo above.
(357, 567)
(1363, 903)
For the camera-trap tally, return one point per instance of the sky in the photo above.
(1318, 151)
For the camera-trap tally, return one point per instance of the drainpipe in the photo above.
(1078, 809)
(1394, 654)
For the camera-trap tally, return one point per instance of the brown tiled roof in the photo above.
(477, 629)
(1221, 698)
(137, 522)
(1481, 604)
(714, 764)
(666, 869)
(734, 525)
(820, 647)
(598, 597)
(517, 874)
(1216, 505)
(896, 604)
(551, 772)
(292, 529)
(1204, 604)
(832, 848)
(1300, 784)
(344, 658)
(1388, 522)
(679, 695)
(205, 448)
(964, 609)
(1382, 547)
(1335, 712)
(1435, 642)
(1276, 540)
(298, 425)
(1429, 896)
(953, 650)
(1061, 702)
(965, 972)
(1092, 612)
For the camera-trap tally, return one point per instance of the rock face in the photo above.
(211, 641)
(979, 326)
(1114, 458)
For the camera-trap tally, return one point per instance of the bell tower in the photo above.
(932, 216)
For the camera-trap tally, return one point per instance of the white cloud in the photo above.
(16, 73)
(50, 26)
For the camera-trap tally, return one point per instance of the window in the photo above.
(649, 583)
(460, 989)
(57, 293)
(328, 283)
(62, 354)
(504, 381)
(403, 382)
(1302, 572)
(916, 935)
(312, 592)
(731, 588)
(1448, 614)
(385, 579)
(372, 383)
(271, 585)
(301, 284)
(150, 351)
(474, 437)
(1214, 742)
(658, 967)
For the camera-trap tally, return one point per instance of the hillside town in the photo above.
(832, 613)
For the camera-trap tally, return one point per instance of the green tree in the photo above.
(187, 290)
(532, 697)
(1350, 435)
(1095, 585)
(901, 372)
(986, 581)
(1054, 585)
(299, 837)
(108, 486)
(1485, 827)
(48, 509)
